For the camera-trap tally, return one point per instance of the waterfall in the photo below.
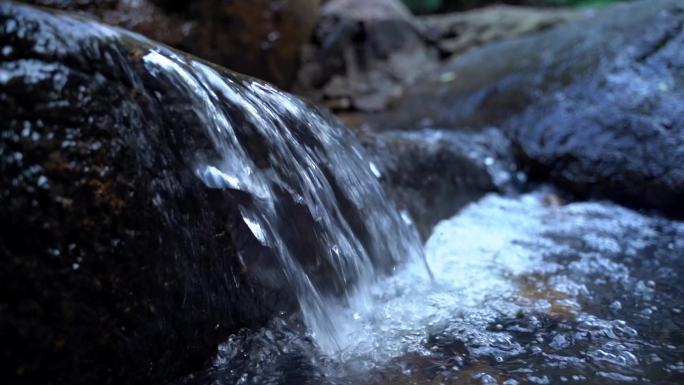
(309, 195)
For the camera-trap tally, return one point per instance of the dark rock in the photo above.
(118, 264)
(261, 38)
(277, 354)
(433, 174)
(617, 133)
(594, 104)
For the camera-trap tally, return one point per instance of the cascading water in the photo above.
(528, 289)
(311, 194)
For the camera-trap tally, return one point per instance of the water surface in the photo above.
(527, 291)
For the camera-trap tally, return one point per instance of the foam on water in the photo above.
(499, 258)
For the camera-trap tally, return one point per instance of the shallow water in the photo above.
(526, 291)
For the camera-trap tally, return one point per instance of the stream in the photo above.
(526, 290)
(164, 216)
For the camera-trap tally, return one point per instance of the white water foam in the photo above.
(479, 258)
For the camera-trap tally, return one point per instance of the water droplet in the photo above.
(273, 36)
(42, 182)
(157, 201)
(615, 306)
(374, 170)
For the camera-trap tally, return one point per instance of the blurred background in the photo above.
(435, 6)
(300, 45)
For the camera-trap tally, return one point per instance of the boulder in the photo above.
(120, 263)
(365, 54)
(432, 174)
(593, 104)
(617, 133)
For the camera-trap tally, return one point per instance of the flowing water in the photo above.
(312, 198)
(525, 292)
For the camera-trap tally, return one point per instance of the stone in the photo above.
(119, 265)
(457, 32)
(593, 104)
(432, 174)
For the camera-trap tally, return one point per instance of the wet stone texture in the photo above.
(431, 174)
(119, 265)
(594, 104)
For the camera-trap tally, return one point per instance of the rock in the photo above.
(364, 54)
(593, 104)
(261, 38)
(433, 174)
(122, 262)
(618, 133)
(118, 264)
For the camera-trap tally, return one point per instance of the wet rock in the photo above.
(272, 355)
(261, 38)
(618, 133)
(364, 54)
(431, 175)
(119, 265)
(593, 104)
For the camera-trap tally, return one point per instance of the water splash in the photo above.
(312, 198)
(525, 284)
(527, 291)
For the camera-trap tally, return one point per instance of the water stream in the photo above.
(526, 291)
(312, 198)
(520, 289)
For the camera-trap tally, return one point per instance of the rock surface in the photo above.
(261, 38)
(119, 265)
(428, 178)
(432, 174)
(594, 104)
